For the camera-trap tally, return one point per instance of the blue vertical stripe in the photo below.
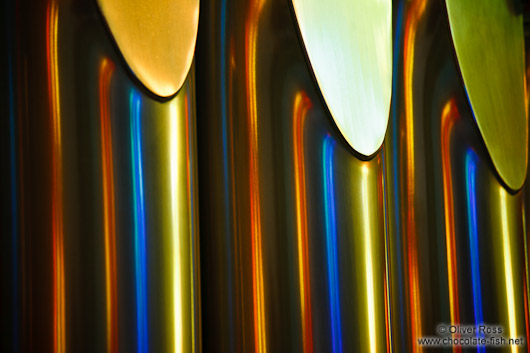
(139, 223)
(395, 153)
(471, 162)
(331, 243)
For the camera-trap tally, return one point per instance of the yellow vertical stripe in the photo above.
(176, 161)
(508, 274)
(368, 261)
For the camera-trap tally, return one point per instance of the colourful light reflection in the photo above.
(471, 166)
(508, 273)
(176, 161)
(184, 334)
(190, 192)
(59, 335)
(396, 136)
(251, 36)
(139, 222)
(388, 294)
(415, 13)
(450, 115)
(301, 105)
(331, 243)
(109, 213)
(368, 260)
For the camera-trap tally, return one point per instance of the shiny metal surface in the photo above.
(292, 234)
(106, 218)
(451, 260)
(234, 216)
(489, 43)
(349, 46)
(156, 38)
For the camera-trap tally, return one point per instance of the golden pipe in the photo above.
(507, 232)
(507, 244)
(181, 255)
(368, 253)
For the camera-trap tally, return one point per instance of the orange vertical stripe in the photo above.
(414, 14)
(251, 34)
(301, 105)
(449, 116)
(57, 180)
(109, 216)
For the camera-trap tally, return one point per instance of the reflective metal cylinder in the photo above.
(292, 220)
(305, 244)
(103, 226)
(457, 235)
